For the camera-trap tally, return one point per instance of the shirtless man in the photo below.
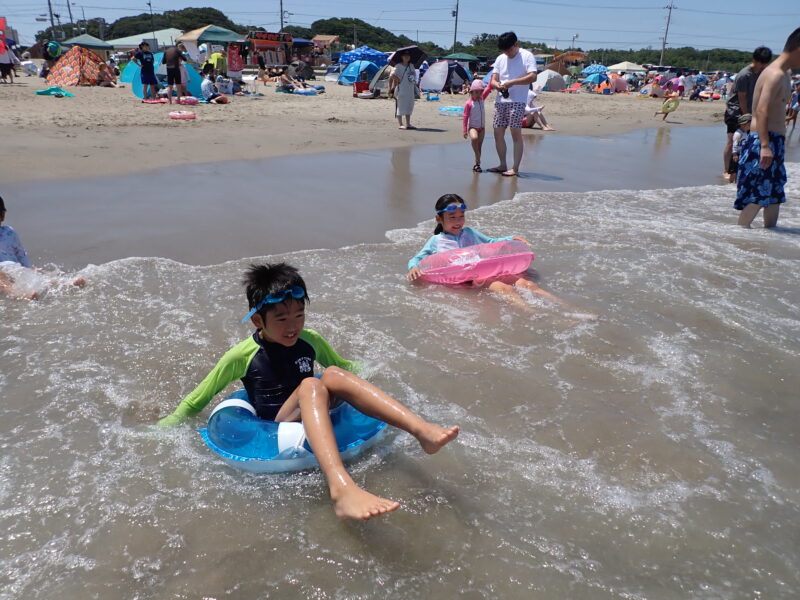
(762, 174)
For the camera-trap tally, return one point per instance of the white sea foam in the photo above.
(646, 454)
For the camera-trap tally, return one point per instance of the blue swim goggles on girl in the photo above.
(295, 292)
(452, 208)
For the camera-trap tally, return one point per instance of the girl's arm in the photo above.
(467, 110)
(486, 91)
(482, 238)
(429, 248)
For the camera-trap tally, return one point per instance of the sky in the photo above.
(620, 24)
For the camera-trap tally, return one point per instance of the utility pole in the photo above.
(455, 30)
(666, 31)
(355, 37)
(281, 29)
(153, 24)
(50, 10)
(71, 22)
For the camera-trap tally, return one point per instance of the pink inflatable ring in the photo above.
(182, 114)
(187, 100)
(481, 261)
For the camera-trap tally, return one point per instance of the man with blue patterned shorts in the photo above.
(762, 174)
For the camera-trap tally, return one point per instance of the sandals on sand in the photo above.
(494, 170)
(477, 168)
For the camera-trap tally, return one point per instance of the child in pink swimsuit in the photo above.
(475, 119)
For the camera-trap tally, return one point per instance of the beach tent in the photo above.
(626, 66)
(163, 37)
(209, 34)
(462, 57)
(88, 41)
(549, 81)
(333, 72)
(443, 74)
(359, 70)
(595, 79)
(619, 84)
(380, 81)
(592, 69)
(134, 71)
(364, 53)
(77, 66)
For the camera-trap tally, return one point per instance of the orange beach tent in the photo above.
(77, 66)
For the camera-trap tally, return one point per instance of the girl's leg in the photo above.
(474, 138)
(527, 284)
(349, 500)
(376, 403)
(508, 292)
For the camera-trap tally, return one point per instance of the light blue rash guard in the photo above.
(11, 249)
(442, 242)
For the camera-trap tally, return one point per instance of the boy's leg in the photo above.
(748, 213)
(374, 402)
(350, 501)
(771, 214)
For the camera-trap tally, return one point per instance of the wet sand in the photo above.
(210, 213)
(106, 131)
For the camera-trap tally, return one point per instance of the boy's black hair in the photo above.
(441, 203)
(762, 54)
(262, 280)
(793, 41)
(506, 40)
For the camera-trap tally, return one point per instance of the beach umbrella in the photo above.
(701, 78)
(675, 81)
(462, 56)
(592, 69)
(417, 56)
(596, 78)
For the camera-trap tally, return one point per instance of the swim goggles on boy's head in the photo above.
(452, 208)
(295, 292)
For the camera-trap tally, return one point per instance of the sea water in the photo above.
(650, 453)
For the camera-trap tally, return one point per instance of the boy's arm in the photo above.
(326, 355)
(229, 368)
(770, 81)
(428, 249)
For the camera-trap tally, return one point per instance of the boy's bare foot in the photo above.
(354, 503)
(432, 437)
(79, 282)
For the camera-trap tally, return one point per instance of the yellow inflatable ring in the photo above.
(670, 104)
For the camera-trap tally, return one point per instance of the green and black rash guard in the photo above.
(270, 372)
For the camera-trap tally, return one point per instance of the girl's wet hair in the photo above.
(442, 203)
(263, 280)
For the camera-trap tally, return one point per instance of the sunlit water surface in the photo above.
(649, 454)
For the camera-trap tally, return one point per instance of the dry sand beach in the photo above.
(107, 131)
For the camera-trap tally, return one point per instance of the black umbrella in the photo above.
(417, 56)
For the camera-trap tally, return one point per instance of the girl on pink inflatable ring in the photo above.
(451, 233)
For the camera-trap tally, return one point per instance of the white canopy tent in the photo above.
(626, 67)
(165, 37)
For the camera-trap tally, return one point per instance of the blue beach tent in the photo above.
(358, 71)
(192, 86)
(364, 53)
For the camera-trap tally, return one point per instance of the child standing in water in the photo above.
(475, 119)
(275, 365)
(450, 233)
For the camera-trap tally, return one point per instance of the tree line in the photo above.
(351, 30)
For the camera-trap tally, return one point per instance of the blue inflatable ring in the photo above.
(246, 442)
(457, 111)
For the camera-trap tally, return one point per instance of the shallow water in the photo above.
(649, 454)
(210, 213)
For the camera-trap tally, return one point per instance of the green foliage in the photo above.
(298, 32)
(352, 30)
(718, 59)
(186, 19)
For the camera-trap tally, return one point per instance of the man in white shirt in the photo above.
(514, 70)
